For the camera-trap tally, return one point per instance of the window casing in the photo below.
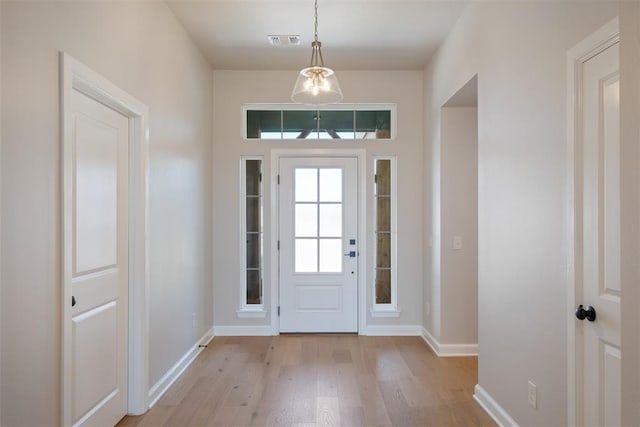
(384, 274)
(252, 234)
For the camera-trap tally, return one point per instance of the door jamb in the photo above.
(577, 56)
(76, 76)
(360, 155)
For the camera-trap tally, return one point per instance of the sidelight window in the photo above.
(385, 292)
(252, 233)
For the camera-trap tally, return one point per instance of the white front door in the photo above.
(99, 252)
(318, 210)
(598, 257)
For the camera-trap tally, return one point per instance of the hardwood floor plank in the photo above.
(320, 380)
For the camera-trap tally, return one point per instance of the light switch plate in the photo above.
(457, 243)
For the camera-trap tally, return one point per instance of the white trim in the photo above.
(243, 331)
(393, 330)
(167, 380)
(392, 107)
(385, 313)
(593, 44)
(449, 350)
(361, 155)
(491, 407)
(76, 76)
(251, 314)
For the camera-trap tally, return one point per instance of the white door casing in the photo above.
(104, 204)
(318, 226)
(595, 281)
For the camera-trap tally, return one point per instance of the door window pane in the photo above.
(306, 256)
(330, 255)
(306, 220)
(330, 185)
(306, 185)
(331, 220)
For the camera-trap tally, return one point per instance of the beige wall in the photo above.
(231, 90)
(141, 48)
(630, 182)
(518, 50)
(459, 217)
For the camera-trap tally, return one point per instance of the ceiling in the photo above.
(355, 34)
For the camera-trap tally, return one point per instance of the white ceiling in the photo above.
(355, 34)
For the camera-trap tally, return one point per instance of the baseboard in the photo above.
(392, 330)
(243, 331)
(449, 350)
(491, 407)
(159, 388)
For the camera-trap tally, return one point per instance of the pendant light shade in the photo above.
(316, 84)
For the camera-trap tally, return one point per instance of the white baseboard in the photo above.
(392, 330)
(491, 407)
(449, 350)
(159, 388)
(243, 331)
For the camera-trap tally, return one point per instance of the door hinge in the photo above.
(278, 310)
(278, 244)
(375, 178)
(260, 177)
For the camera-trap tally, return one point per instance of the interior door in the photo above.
(318, 256)
(100, 263)
(600, 262)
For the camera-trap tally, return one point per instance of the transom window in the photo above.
(358, 123)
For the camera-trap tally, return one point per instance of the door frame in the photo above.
(76, 76)
(360, 156)
(592, 45)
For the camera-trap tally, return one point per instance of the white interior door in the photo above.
(318, 244)
(99, 278)
(599, 262)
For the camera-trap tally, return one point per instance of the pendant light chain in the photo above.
(316, 18)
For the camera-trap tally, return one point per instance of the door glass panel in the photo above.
(306, 256)
(306, 185)
(330, 255)
(331, 220)
(318, 217)
(330, 185)
(306, 220)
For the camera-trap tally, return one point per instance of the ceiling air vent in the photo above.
(284, 40)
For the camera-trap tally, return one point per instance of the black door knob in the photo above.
(588, 313)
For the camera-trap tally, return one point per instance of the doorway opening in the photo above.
(459, 222)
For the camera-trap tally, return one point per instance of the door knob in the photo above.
(73, 301)
(351, 254)
(588, 313)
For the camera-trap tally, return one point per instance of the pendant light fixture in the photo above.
(316, 84)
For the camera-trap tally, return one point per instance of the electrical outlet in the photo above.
(532, 396)
(193, 321)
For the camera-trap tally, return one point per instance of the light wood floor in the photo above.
(322, 380)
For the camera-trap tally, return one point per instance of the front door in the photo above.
(99, 270)
(318, 244)
(599, 261)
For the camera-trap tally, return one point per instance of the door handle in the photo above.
(351, 254)
(73, 301)
(588, 313)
